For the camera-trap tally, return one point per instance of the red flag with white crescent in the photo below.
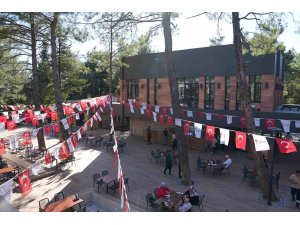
(137, 104)
(164, 111)
(243, 122)
(64, 151)
(34, 121)
(149, 113)
(240, 140)
(54, 116)
(24, 182)
(161, 119)
(56, 128)
(48, 158)
(27, 138)
(2, 147)
(170, 121)
(182, 113)
(11, 125)
(210, 133)
(74, 140)
(186, 127)
(269, 123)
(70, 120)
(221, 116)
(285, 146)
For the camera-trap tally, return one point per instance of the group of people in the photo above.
(165, 138)
(190, 197)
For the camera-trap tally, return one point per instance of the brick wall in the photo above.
(267, 94)
(163, 93)
(143, 91)
(233, 86)
(201, 92)
(219, 101)
(123, 87)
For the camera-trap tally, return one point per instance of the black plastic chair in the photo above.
(201, 165)
(154, 156)
(97, 180)
(104, 173)
(114, 186)
(200, 203)
(59, 196)
(247, 174)
(43, 204)
(150, 202)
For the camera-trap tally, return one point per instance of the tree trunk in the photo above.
(36, 91)
(262, 170)
(56, 81)
(170, 69)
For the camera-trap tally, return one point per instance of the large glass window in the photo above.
(133, 89)
(255, 88)
(188, 89)
(209, 92)
(227, 92)
(148, 91)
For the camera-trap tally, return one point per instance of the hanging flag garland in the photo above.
(240, 140)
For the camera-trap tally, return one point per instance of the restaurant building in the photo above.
(206, 79)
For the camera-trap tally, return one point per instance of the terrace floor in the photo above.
(221, 193)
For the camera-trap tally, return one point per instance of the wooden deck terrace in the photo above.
(221, 192)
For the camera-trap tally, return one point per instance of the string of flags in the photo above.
(59, 151)
(122, 187)
(192, 128)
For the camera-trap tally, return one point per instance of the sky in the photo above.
(195, 33)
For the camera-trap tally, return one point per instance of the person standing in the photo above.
(165, 141)
(168, 163)
(149, 135)
(294, 181)
(174, 141)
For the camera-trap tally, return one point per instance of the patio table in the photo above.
(63, 205)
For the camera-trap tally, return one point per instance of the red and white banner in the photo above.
(25, 182)
(210, 133)
(285, 146)
(27, 138)
(186, 127)
(240, 140)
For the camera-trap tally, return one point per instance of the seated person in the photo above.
(186, 206)
(193, 195)
(226, 163)
(162, 190)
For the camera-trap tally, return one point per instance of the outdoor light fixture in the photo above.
(266, 85)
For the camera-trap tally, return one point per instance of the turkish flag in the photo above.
(27, 138)
(64, 151)
(30, 112)
(161, 119)
(56, 128)
(88, 123)
(182, 114)
(243, 122)
(149, 107)
(24, 182)
(54, 116)
(240, 140)
(210, 133)
(285, 146)
(74, 140)
(137, 105)
(164, 111)
(66, 110)
(11, 125)
(149, 113)
(42, 107)
(3, 119)
(221, 116)
(83, 105)
(27, 117)
(186, 128)
(82, 130)
(34, 121)
(2, 147)
(47, 129)
(269, 123)
(70, 120)
(170, 121)
(48, 158)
